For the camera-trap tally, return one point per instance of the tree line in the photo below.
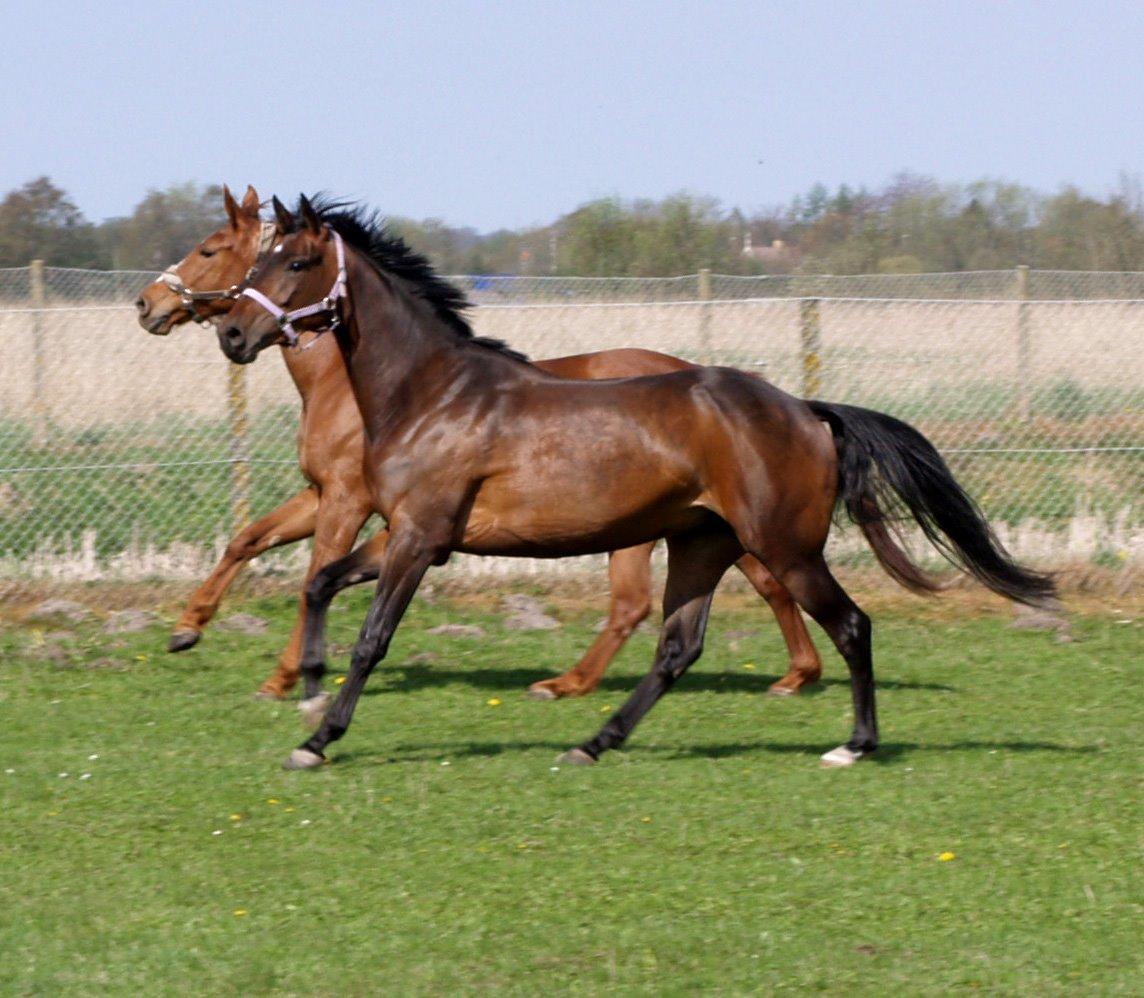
(913, 224)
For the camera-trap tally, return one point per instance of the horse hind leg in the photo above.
(805, 666)
(629, 572)
(818, 592)
(696, 561)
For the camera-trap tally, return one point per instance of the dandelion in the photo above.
(339, 680)
(289, 810)
(236, 817)
(749, 666)
(645, 819)
(272, 800)
(606, 709)
(239, 912)
(142, 658)
(493, 701)
(945, 857)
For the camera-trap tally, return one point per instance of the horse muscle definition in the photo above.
(335, 505)
(470, 448)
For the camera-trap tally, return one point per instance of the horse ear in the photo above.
(250, 202)
(287, 223)
(231, 206)
(313, 222)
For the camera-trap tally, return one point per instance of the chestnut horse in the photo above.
(470, 448)
(337, 502)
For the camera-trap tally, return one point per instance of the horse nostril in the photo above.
(141, 305)
(233, 335)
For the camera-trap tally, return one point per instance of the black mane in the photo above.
(366, 231)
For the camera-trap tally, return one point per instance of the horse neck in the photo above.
(317, 370)
(402, 359)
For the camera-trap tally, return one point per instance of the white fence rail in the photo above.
(121, 457)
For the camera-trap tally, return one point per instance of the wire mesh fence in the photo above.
(130, 457)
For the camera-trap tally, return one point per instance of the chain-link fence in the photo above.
(129, 457)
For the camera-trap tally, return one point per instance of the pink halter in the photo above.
(328, 304)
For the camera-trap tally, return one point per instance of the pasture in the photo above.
(152, 843)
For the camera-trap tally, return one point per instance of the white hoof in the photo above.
(576, 757)
(302, 758)
(839, 757)
(314, 709)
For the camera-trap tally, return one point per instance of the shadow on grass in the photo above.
(409, 678)
(887, 754)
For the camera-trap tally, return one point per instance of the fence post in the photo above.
(706, 353)
(239, 446)
(810, 337)
(39, 402)
(1024, 344)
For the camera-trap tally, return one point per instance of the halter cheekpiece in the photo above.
(189, 298)
(328, 304)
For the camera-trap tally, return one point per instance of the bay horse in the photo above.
(337, 501)
(470, 448)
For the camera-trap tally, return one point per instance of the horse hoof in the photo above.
(302, 758)
(539, 692)
(839, 757)
(182, 640)
(314, 709)
(781, 691)
(269, 695)
(576, 757)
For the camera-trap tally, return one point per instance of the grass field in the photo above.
(153, 845)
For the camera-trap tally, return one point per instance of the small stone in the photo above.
(60, 608)
(130, 621)
(526, 613)
(1027, 618)
(458, 631)
(244, 623)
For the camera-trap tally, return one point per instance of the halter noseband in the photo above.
(189, 299)
(328, 304)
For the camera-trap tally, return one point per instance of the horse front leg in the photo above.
(629, 572)
(339, 520)
(293, 521)
(805, 666)
(407, 558)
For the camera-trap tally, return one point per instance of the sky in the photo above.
(506, 114)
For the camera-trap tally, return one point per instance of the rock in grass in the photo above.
(459, 631)
(130, 621)
(244, 623)
(1026, 618)
(60, 609)
(526, 613)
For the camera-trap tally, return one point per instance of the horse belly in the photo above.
(516, 516)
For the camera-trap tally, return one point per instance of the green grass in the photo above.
(441, 852)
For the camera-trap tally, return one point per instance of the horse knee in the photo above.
(627, 614)
(854, 633)
(677, 654)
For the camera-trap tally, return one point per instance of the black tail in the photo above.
(884, 465)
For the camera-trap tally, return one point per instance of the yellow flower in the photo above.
(945, 857)
(493, 702)
(272, 800)
(749, 666)
(236, 817)
(239, 912)
(645, 820)
(289, 810)
(339, 680)
(606, 709)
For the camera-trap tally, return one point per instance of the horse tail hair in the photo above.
(886, 469)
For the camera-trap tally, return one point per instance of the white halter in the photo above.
(328, 304)
(170, 277)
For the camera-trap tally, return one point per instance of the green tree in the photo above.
(40, 222)
(164, 226)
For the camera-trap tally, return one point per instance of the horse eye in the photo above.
(206, 252)
(297, 265)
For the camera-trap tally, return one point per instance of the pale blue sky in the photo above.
(512, 113)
